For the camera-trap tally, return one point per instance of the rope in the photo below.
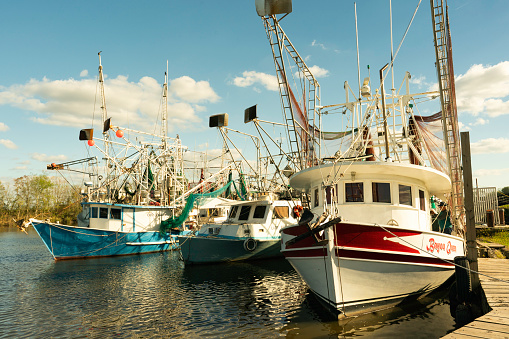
(445, 260)
(340, 280)
(65, 229)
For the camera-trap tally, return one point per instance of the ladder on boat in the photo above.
(445, 72)
(300, 125)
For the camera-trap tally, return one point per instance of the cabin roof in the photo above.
(435, 181)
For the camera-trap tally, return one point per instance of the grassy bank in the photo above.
(493, 235)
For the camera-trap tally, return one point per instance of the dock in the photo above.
(494, 324)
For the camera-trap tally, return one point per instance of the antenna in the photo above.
(164, 117)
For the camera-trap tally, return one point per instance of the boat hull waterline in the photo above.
(71, 242)
(203, 250)
(368, 267)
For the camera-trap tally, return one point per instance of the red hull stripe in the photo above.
(372, 237)
(373, 256)
(369, 237)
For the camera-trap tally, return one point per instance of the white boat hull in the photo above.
(366, 268)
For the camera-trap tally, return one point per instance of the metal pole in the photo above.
(387, 154)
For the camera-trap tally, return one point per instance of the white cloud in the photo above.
(8, 143)
(490, 145)
(190, 90)
(20, 168)
(421, 81)
(49, 158)
(317, 44)
(484, 90)
(319, 72)
(3, 127)
(463, 127)
(137, 104)
(84, 73)
(480, 122)
(250, 78)
(491, 172)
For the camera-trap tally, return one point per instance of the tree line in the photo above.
(40, 197)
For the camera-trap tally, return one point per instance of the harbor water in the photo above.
(156, 296)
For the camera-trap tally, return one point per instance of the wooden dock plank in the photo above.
(494, 277)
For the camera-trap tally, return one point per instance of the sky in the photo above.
(219, 61)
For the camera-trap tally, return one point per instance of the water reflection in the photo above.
(154, 296)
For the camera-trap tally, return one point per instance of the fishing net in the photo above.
(174, 223)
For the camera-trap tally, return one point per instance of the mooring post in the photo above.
(469, 209)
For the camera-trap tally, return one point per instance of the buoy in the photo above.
(119, 133)
(296, 210)
(91, 143)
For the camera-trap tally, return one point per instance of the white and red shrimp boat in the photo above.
(369, 237)
(382, 248)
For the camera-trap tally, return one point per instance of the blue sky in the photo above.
(220, 61)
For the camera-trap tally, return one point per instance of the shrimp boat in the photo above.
(134, 208)
(366, 239)
(251, 231)
(252, 228)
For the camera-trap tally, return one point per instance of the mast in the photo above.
(445, 72)
(164, 118)
(106, 135)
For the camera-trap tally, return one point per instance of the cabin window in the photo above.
(244, 212)
(317, 198)
(281, 212)
(115, 213)
(405, 195)
(381, 192)
(259, 212)
(330, 193)
(103, 213)
(233, 212)
(94, 212)
(354, 192)
(422, 200)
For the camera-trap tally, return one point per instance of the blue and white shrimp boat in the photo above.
(106, 229)
(131, 207)
(251, 231)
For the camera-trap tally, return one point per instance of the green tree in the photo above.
(32, 195)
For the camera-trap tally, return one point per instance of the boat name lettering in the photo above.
(440, 246)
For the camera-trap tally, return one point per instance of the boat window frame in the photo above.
(102, 215)
(377, 192)
(233, 212)
(400, 201)
(422, 200)
(331, 193)
(281, 212)
(316, 198)
(243, 215)
(94, 212)
(116, 216)
(352, 194)
(256, 213)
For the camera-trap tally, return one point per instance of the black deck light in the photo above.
(218, 120)
(87, 134)
(250, 114)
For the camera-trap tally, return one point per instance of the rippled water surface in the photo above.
(154, 295)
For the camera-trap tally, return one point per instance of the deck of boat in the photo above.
(495, 324)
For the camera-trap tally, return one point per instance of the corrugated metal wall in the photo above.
(485, 199)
